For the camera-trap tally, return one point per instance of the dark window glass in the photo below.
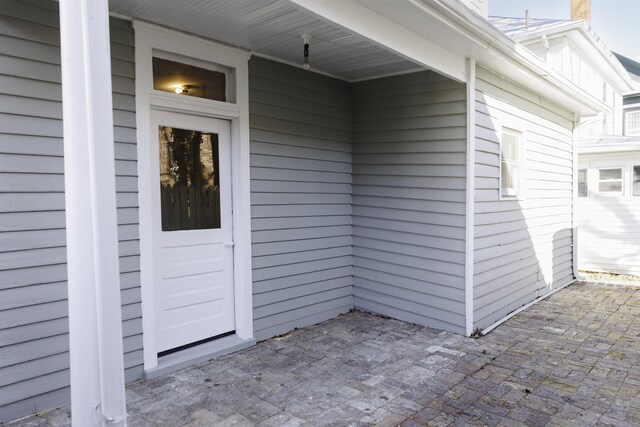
(636, 180)
(189, 179)
(185, 79)
(582, 183)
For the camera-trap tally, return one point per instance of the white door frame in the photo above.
(149, 38)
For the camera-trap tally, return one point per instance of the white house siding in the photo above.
(523, 249)
(300, 197)
(609, 225)
(34, 358)
(409, 155)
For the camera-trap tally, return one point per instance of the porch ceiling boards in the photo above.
(272, 28)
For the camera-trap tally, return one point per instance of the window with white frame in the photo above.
(610, 180)
(635, 185)
(583, 186)
(632, 123)
(510, 164)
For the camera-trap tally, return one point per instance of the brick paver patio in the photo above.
(573, 359)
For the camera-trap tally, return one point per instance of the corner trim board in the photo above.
(470, 194)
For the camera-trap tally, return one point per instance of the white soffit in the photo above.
(271, 28)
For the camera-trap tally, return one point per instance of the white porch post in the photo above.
(95, 321)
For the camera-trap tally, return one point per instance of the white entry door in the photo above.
(192, 223)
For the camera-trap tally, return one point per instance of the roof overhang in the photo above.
(454, 27)
(362, 39)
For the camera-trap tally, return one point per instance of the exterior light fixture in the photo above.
(184, 89)
(305, 62)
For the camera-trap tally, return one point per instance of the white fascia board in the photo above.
(388, 34)
(611, 148)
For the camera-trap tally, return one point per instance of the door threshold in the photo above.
(201, 353)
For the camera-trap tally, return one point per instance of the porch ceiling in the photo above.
(271, 28)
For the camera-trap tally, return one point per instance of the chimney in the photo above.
(581, 9)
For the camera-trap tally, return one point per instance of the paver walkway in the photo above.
(573, 359)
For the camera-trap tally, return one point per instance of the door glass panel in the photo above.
(189, 179)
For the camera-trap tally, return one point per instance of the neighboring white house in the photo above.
(609, 192)
(573, 49)
(608, 207)
(213, 192)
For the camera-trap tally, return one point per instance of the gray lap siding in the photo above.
(300, 197)
(523, 248)
(409, 156)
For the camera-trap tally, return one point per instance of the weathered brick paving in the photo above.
(573, 359)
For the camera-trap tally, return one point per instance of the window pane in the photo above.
(582, 183)
(168, 76)
(506, 176)
(510, 160)
(510, 179)
(189, 179)
(610, 186)
(610, 174)
(510, 149)
(636, 180)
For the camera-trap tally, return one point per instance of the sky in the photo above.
(616, 22)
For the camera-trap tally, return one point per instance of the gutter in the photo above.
(610, 148)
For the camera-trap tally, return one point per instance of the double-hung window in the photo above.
(610, 181)
(511, 168)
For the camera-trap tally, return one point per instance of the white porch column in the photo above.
(95, 321)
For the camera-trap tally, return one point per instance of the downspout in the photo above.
(95, 319)
(547, 48)
(470, 194)
(574, 223)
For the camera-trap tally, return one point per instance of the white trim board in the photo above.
(150, 37)
(470, 195)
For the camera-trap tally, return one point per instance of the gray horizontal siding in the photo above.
(34, 359)
(409, 156)
(522, 248)
(300, 197)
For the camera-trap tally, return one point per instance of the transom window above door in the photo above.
(205, 80)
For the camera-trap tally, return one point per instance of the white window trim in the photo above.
(149, 38)
(523, 176)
